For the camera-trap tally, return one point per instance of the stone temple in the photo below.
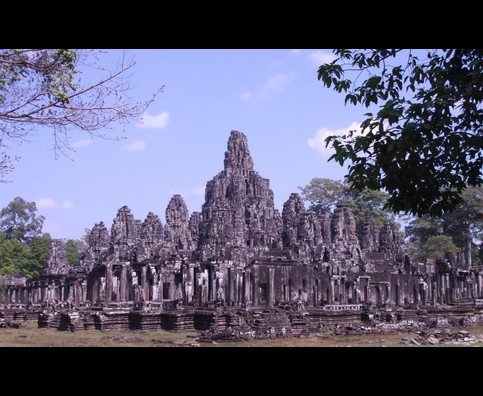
(240, 255)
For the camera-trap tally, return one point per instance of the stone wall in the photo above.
(239, 251)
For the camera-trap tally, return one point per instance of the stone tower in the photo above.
(57, 261)
(239, 209)
(178, 234)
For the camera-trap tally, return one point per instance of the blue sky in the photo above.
(273, 96)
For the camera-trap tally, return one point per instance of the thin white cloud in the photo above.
(45, 203)
(48, 203)
(200, 190)
(137, 145)
(318, 141)
(320, 57)
(295, 52)
(277, 65)
(82, 144)
(274, 85)
(246, 95)
(159, 121)
(67, 205)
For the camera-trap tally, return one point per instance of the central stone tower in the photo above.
(238, 214)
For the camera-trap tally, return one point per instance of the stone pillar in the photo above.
(123, 284)
(144, 282)
(95, 291)
(230, 288)
(77, 293)
(108, 282)
(478, 277)
(271, 287)
(244, 287)
(330, 297)
(214, 289)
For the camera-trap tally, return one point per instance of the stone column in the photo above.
(330, 297)
(230, 290)
(271, 287)
(123, 284)
(77, 293)
(108, 282)
(244, 288)
(62, 291)
(144, 282)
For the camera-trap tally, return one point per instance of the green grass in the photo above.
(28, 335)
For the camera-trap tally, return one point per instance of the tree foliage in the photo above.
(322, 194)
(19, 221)
(464, 226)
(73, 249)
(39, 254)
(53, 88)
(17, 258)
(368, 205)
(436, 247)
(424, 145)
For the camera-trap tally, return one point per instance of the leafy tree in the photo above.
(436, 246)
(17, 258)
(74, 248)
(322, 194)
(54, 88)
(466, 223)
(368, 205)
(464, 226)
(424, 145)
(13, 255)
(19, 221)
(420, 229)
(39, 252)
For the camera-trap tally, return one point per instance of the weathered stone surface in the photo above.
(369, 237)
(239, 211)
(99, 244)
(151, 236)
(344, 227)
(240, 253)
(57, 261)
(305, 232)
(194, 227)
(292, 214)
(124, 234)
(178, 234)
(389, 240)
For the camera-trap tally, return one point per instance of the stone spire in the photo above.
(293, 211)
(344, 227)
(57, 261)
(124, 234)
(151, 235)
(178, 233)
(99, 245)
(237, 156)
(238, 212)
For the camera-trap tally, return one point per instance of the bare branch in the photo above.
(45, 88)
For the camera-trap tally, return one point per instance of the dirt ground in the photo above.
(28, 335)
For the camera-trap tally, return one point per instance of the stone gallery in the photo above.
(239, 254)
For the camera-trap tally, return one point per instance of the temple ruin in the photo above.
(239, 254)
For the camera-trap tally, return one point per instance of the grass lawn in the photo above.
(28, 335)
